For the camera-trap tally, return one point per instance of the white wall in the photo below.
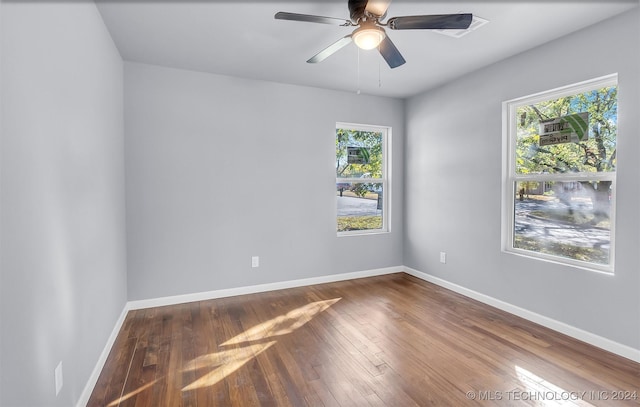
(453, 184)
(220, 169)
(62, 197)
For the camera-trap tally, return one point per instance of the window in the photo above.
(559, 174)
(362, 186)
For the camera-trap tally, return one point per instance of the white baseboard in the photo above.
(253, 289)
(604, 343)
(230, 292)
(95, 374)
(577, 333)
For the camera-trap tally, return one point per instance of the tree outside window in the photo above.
(361, 179)
(560, 176)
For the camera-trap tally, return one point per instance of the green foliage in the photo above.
(346, 223)
(597, 154)
(356, 138)
(360, 190)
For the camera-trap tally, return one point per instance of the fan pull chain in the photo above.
(358, 73)
(379, 77)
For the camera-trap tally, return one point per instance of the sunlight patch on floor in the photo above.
(283, 324)
(226, 362)
(544, 393)
(131, 394)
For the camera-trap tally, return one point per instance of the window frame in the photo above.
(385, 178)
(510, 177)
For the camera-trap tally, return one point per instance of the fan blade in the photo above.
(322, 55)
(282, 15)
(431, 22)
(378, 7)
(390, 53)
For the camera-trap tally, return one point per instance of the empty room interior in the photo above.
(307, 203)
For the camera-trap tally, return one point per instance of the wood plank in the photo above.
(387, 340)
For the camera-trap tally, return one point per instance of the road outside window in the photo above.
(361, 179)
(559, 175)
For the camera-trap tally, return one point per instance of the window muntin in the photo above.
(361, 179)
(560, 175)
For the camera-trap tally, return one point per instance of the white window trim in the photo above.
(510, 177)
(385, 180)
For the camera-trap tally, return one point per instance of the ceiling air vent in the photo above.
(476, 23)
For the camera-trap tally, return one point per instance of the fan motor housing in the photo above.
(356, 9)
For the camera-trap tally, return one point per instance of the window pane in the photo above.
(359, 206)
(358, 154)
(565, 219)
(576, 133)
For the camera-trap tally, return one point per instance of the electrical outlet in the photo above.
(255, 261)
(58, 377)
(443, 257)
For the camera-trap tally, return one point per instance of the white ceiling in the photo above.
(242, 38)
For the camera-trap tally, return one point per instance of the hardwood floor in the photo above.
(392, 340)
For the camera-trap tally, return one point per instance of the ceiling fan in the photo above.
(367, 16)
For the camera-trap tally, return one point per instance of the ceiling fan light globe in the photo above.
(368, 37)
